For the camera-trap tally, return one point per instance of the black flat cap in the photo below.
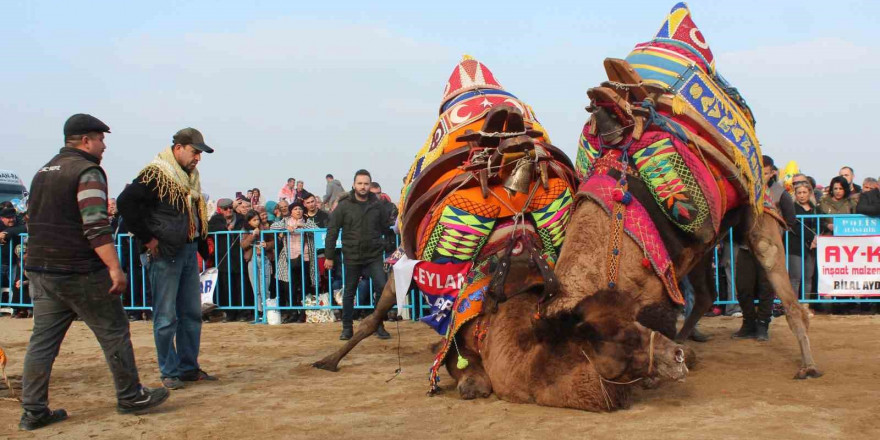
(191, 136)
(82, 123)
(7, 213)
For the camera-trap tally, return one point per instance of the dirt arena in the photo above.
(740, 389)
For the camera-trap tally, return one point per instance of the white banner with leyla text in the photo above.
(849, 266)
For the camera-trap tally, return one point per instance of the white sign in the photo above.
(208, 280)
(849, 266)
(9, 178)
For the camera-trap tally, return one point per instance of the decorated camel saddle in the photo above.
(669, 141)
(486, 186)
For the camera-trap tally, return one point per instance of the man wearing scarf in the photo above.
(164, 209)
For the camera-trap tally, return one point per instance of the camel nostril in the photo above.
(679, 355)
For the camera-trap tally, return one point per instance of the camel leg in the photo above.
(703, 297)
(366, 328)
(766, 244)
(472, 381)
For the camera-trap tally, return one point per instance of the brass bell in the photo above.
(521, 178)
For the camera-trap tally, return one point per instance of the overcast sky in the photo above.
(301, 89)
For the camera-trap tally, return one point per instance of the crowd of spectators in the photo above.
(289, 263)
(800, 196)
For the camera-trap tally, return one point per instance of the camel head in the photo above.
(611, 115)
(515, 261)
(601, 330)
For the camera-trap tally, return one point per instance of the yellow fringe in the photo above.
(175, 195)
(678, 104)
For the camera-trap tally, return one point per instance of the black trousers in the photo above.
(58, 300)
(373, 270)
(751, 284)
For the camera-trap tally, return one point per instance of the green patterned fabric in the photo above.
(672, 184)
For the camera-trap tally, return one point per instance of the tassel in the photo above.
(462, 363)
(678, 104)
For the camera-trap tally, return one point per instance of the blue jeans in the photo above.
(688, 290)
(255, 273)
(177, 311)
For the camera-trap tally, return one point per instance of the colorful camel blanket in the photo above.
(445, 215)
(464, 196)
(628, 214)
(468, 305)
(679, 62)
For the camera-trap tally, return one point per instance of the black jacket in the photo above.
(148, 216)
(810, 228)
(869, 203)
(227, 247)
(365, 228)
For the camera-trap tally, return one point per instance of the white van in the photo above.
(11, 186)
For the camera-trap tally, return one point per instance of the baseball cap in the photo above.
(191, 136)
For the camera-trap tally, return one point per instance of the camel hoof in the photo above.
(470, 388)
(327, 365)
(807, 372)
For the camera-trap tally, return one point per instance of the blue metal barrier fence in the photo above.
(273, 281)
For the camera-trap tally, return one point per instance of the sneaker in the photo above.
(381, 333)
(31, 421)
(146, 398)
(172, 383)
(197, 376)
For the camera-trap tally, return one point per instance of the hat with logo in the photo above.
(82, 123)
(191, 136)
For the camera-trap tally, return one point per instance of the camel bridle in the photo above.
(603, 380)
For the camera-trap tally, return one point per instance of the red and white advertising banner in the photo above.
(849, 266)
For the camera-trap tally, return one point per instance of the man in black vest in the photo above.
(164, 209)
(74, 271)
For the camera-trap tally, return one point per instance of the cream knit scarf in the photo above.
(178, 188)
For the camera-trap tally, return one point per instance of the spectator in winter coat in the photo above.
(333, 193)
(869, 201)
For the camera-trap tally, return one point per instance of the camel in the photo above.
(587, 358)
(668, 162)
(616, 238)
(489, 189)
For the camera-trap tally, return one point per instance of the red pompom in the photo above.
(646, 263)
(617, 195)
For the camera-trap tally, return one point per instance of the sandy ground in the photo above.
(740, 389)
